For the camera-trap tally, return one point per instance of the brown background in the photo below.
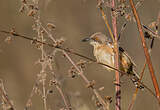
(74, 19)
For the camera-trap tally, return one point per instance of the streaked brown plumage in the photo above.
(104, 53)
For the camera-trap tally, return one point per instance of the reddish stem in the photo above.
(117, 75)
(149, 62)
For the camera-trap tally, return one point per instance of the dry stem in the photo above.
(136, 91)
(106, 22)
(5, 96)
(149, 62)
(117, 74)
(105, 105)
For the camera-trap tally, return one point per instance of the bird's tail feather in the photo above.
(135, 79)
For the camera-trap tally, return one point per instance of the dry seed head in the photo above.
(50, 91)
(29, 104)
(98, 104)
(91, 84)
(35, 1)
(82, 64)
(7, 107)
(8, 39)
(24, 1)
(114, 13)
(147, 35)
(51, 26)
(153, 24)
(42, 31)
(38, 91)
(22, 9)
(128, 17)
(34, 41)
(101, 88)
(34, 27)
(99, 2)
(108, 99)
(31, 6)
(53, 82)
(32, 13)
(59, 42)
(71, 73)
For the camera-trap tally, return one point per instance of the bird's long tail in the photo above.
(135, 79)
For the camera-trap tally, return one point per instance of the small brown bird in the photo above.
(104, 53)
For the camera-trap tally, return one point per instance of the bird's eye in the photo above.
(95, 38)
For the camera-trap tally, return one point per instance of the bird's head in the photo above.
(96, 39)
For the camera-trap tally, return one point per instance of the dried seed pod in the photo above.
(153, 24)
(32, 13)
(29, 104)
(98, 104)
(91, 84)
(31, 6)
(51, 26)
(22, 9)
(34, 41)
(72, 72)
(50, 91)
(8, 39)
(59, 42)
(147, 35)
(52, 82)
(128, 17)
(24, 1)
(99, 2)
(101, 88)
(108, 99)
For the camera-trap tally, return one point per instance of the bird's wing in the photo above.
(122, 50)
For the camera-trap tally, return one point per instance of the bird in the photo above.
(104, 53)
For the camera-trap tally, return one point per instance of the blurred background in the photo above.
(74, 20)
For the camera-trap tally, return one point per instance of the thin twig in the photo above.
(71, 52)
(154, 34)
(57, 86)
(2, 91)
(149, 62)
(28, 104)
(105, 105)
(106, 22)
(136, 91)
(63, 97)
(138, 4)
(61, 48)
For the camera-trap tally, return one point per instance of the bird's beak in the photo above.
(86, 39)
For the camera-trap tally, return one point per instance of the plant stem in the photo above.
(117, 75)
(149, 62)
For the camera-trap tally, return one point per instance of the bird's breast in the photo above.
(104, 54)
